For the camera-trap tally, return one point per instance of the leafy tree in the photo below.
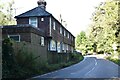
(104, 26)
(7, 13)
(81, 41)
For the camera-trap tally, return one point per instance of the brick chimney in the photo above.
(42, 4)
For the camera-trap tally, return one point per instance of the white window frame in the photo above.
(42, 19)
(42, 41)
(64, 32)
(63, 48)
(60, 30)
(14, 35)
(50, 23)
(54, 25)
(52, 45)
(67, 47)
(58, 47)
(68, 35)
(35, 21)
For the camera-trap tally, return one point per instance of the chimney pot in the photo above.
(42, 4)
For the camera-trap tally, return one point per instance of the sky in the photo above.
(75, 13)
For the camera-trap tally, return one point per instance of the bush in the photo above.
(117, 61)
(24, 64)
(76, 57)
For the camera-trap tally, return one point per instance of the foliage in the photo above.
(105, 23)
(104, 30)
(81, 41)
(7, 13)
(7, 58)
(24, 64)
(117, 61)
(11, 67)
(76, 57)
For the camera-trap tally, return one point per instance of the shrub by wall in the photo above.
(25, 64)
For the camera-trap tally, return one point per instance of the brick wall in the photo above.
(38, 52)
(0, 53)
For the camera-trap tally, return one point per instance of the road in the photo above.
(90, 67)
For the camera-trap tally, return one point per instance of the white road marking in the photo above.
(92, 68)
(78, 64)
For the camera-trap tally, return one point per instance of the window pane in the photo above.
(52, 45)
(15, 37)
(42, 41)
(33, 21)
(58, 47)
(54, 26)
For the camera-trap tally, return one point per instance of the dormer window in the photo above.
(33, 21)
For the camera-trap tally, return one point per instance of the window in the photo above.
(42, 19)
(72, 38)
(62, 46)
(60, 30)
(68, 35)
(52, 45)
(64, 33)
(54, 26)
(33, 21)
(14, 37)
(71, 49)
(58, 47)
(66, 46)
(42, 41)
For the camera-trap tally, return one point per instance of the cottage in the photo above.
(39, 28)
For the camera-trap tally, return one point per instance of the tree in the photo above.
(105, 25)
(7, 13)
(81, 41)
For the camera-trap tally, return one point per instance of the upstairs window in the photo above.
(64, 33)
(60, 30)
(72, 38)
(42, 19)
(14, 37)
(68, 35)
(33, 21)
(54, 26)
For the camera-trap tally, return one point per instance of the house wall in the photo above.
(55, 34)
(0, 53)
(23, 20)
(29, 41)
(38, 52)
(58, 37)
(43, 25)
(23, 32)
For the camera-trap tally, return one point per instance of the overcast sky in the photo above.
(76, 13)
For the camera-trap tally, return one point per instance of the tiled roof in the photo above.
(37, 11)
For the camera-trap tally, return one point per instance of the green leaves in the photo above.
(7, 13)
(104, 25)
(104, 29)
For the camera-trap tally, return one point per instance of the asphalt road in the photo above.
(90, 67)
